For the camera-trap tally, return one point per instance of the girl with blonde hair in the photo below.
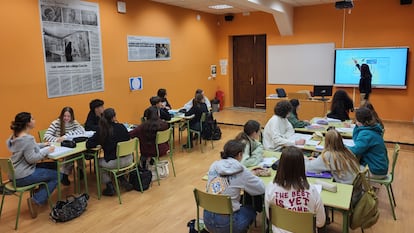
(336, 158)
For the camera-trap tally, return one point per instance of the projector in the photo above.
(344, 5)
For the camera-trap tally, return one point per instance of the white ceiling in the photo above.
(239, 5)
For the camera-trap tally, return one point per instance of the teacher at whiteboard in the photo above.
(364, 82)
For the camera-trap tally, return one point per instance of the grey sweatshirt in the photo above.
(26, 152)
(238, 177)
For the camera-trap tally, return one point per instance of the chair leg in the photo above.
(117, 188)
(391, 201)
(98, 176)
(172, 164)
(139, 178)
(18, 211)
(2, 200)
(393, 197)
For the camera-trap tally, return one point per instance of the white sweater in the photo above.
(301, 201)
(276, 133)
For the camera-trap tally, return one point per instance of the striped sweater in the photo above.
(53, 132)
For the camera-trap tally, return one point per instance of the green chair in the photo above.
(163, 137)
(124, 149)
(199, 133)
(389, 179)
(6, 167)
(303, 222)
(220, 204)
(42, 135)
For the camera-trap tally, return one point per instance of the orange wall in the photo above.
(372, 23)
(23, 83)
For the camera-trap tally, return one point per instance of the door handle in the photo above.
(251, 81)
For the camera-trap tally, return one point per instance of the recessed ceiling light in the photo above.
(220, 7)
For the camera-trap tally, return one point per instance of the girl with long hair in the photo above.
(341, 105)
(108, 134)
(336, 158)
(147, 133)
(58, 131)
(293, 117)
(290, 188)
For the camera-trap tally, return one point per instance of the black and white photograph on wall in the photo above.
(51, 13)
(72, 47)
(72, 16)
(213, 71)
(162, 50)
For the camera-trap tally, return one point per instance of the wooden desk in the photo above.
(68, 157)
(308, 108)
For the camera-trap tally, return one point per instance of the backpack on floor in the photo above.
(146, 179)
(211, 131)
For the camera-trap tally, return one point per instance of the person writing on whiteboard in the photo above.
(364, 81)
(278, 129)
(189, 104)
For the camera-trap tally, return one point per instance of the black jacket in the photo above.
(92, 122)
(119, 134)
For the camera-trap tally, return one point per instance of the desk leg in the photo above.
(188, 135)
(85, 178)
(345, 224)
(97, 174)
(59, 196)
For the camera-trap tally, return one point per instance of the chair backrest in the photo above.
(358, 186)
(394, 159)
(127, 147)
(203, 117)
(163, 136)
(216, 203)
(293, 221)
(6, 167)
(42, 135)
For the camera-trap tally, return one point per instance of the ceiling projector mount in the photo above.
(347, 4)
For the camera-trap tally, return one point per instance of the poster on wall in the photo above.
(72, 47)
(144, 48)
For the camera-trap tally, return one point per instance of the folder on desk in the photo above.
(324, 175)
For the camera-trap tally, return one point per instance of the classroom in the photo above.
(198, 40)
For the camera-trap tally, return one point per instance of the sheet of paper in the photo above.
(59, 150)
(348, 142)
(267, 162)
(345, 130)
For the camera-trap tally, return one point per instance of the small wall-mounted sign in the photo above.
(135, 83)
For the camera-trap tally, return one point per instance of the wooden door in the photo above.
(249, 71)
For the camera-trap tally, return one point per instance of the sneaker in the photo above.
(65, 180)
(32, 207)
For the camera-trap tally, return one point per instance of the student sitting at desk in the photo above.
(162, 93)
(108, 134)
(341, 105)
(368, 105)
(96, 108)
(64, 126)
(290, 188)
(293, 116)
(189, 104)
(147, 132)
(198, 108)
(369, 144)
(253, 152)
(336, 158)
(278, 129)
(26, 153)
(228, 176)
(162, 111)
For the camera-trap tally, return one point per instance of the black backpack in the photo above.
(146, 178)
(211, 131)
